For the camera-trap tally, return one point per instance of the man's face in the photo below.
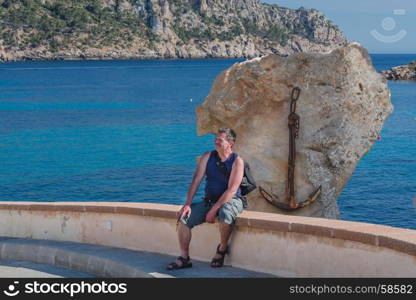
(221, 142)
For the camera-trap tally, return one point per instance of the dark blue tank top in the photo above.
(216, 182)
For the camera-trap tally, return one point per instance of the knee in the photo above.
(223, 212)
(184, 227)
(225, 215)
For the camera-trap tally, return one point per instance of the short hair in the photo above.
(231, 136)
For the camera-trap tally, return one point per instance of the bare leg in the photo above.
(225, 234)
(184, 237)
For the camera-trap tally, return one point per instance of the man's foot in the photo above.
(218, 260)
(180, 263)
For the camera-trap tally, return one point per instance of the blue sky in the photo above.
(381, 26)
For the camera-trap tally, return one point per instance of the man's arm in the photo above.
(234, 182)
(198, 175)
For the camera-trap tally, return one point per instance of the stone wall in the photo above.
(271, 243)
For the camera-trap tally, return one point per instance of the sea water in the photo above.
(126, 131)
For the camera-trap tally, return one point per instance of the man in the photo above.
(222, 198)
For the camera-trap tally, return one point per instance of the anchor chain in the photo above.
(293, 124)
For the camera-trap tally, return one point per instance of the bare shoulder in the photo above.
(239, 161)
(206, 154)
(203, 158)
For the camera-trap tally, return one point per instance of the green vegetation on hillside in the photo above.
(58, 24)
(274, 32)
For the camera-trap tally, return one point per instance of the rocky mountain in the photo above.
(406, 72)
(111, 29)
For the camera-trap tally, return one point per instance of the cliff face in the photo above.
(57, 29)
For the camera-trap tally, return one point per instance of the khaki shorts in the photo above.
(227, 213)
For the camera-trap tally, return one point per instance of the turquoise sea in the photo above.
(126, 131)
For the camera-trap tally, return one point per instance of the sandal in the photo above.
(186, 263)
(219, 262)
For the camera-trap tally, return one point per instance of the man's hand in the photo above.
(185, 210)
(210, 218)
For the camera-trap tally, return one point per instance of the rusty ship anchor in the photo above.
(291, 204)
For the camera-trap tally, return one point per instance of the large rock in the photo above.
(342, 107)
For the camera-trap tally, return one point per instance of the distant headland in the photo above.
(405, 72)
(150, 29)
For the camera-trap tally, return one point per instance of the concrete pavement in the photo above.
(45, 258)
(24, 269)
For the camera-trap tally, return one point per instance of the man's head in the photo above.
(225, 139)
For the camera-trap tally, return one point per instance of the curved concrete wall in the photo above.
(271, 243)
